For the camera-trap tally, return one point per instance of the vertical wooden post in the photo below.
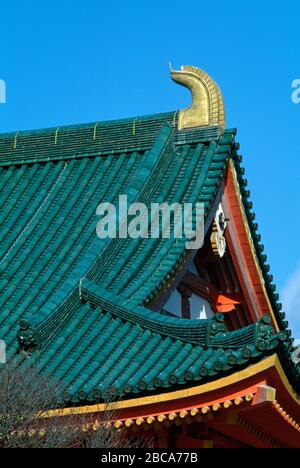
(185, 302)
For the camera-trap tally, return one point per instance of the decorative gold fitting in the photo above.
(227, 404)
(207, 108)
(216, 407)
(128, 423)
(238, 401)
(56, 135)
(150, 420)
(161, 418)
(205, 410)
(15, 140)
(140, 421)
(194, 412)
(95, 131)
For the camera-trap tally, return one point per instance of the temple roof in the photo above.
(55, 202)
(81, 305)
(108, 345)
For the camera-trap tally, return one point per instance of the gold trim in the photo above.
(95, 131)
(285, 381)
(56, 135)
(262, 366)
(15, 140)
(134, 126)
(268, 363)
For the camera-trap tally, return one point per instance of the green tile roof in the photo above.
(106, 344)
(52, 262)
(95, 139)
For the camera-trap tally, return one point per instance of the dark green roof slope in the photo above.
(52, 262)
(48, 219)
(109, 345)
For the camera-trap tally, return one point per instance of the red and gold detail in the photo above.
(252, 408)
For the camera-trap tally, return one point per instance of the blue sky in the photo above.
(77, 62)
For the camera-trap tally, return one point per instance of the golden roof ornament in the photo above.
(217, 239)
(207, 108)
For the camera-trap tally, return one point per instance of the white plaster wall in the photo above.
(200, 308)
(173, 305)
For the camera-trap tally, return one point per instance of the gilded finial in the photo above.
(207, 108)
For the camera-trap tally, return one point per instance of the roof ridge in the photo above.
(95, 139)
(87, 125)
(206, 355)
(193, 331)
